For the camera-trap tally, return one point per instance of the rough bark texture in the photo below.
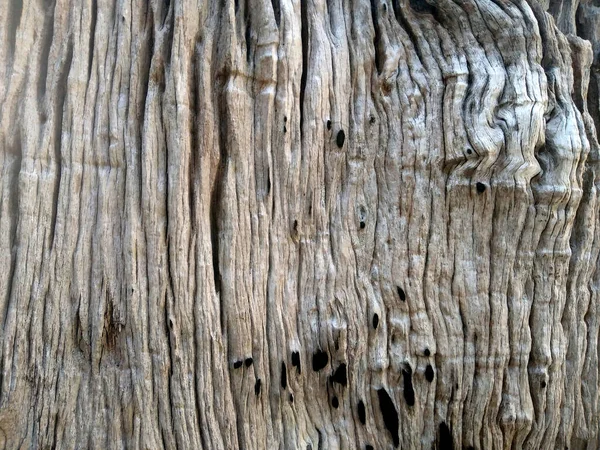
(294, 224)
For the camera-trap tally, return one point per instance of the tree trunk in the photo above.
(299, 224)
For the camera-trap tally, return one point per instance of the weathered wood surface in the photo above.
(294, 224)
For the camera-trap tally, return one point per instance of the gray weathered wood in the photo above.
(299, 224)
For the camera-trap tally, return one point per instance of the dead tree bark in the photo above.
(299, 224)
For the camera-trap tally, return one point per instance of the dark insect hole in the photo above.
(409, 392)
(429, 374)
(296, 362)
(401, 294)
(340, 138)
(320, 360)
(390, 415)
(362, 415)
(283, 376)
(445, 437)
(340, 375)
(257, 387)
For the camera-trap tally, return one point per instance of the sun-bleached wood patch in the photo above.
(299, 224)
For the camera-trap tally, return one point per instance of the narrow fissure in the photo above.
(145, 67)
(276, 11)
(92, 38)
(47, 39)
(247, 34)
(16, 10)
(61, 95)
(304, 36)
(377, 37)
(195, 99)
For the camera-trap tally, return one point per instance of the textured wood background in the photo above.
(285, 224)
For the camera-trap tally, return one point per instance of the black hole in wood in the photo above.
(283, 376)
(445, 438)
(362, 415)
(329, 124)
(340, 375)
(401, 294)
(170, 324)
(421, 6)
(543, 384)
(285, 118)
(257, 387)
(296, 362)
(248, 362)
(291, 398)
(369, 447)
(469, 151)
(409, 392)
(426, 352)
(295, 225)
(429, 374)
(237, 364)
(319, 360)
(480, 187)
(340, 138)
(284, 129)
(335, 402)
(390, 415)
(362, 224)
(375, 321)
(372, 119)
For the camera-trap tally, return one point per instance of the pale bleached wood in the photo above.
(299, 224)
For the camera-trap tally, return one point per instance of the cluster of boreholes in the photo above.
(340, 139)
(320, 360)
